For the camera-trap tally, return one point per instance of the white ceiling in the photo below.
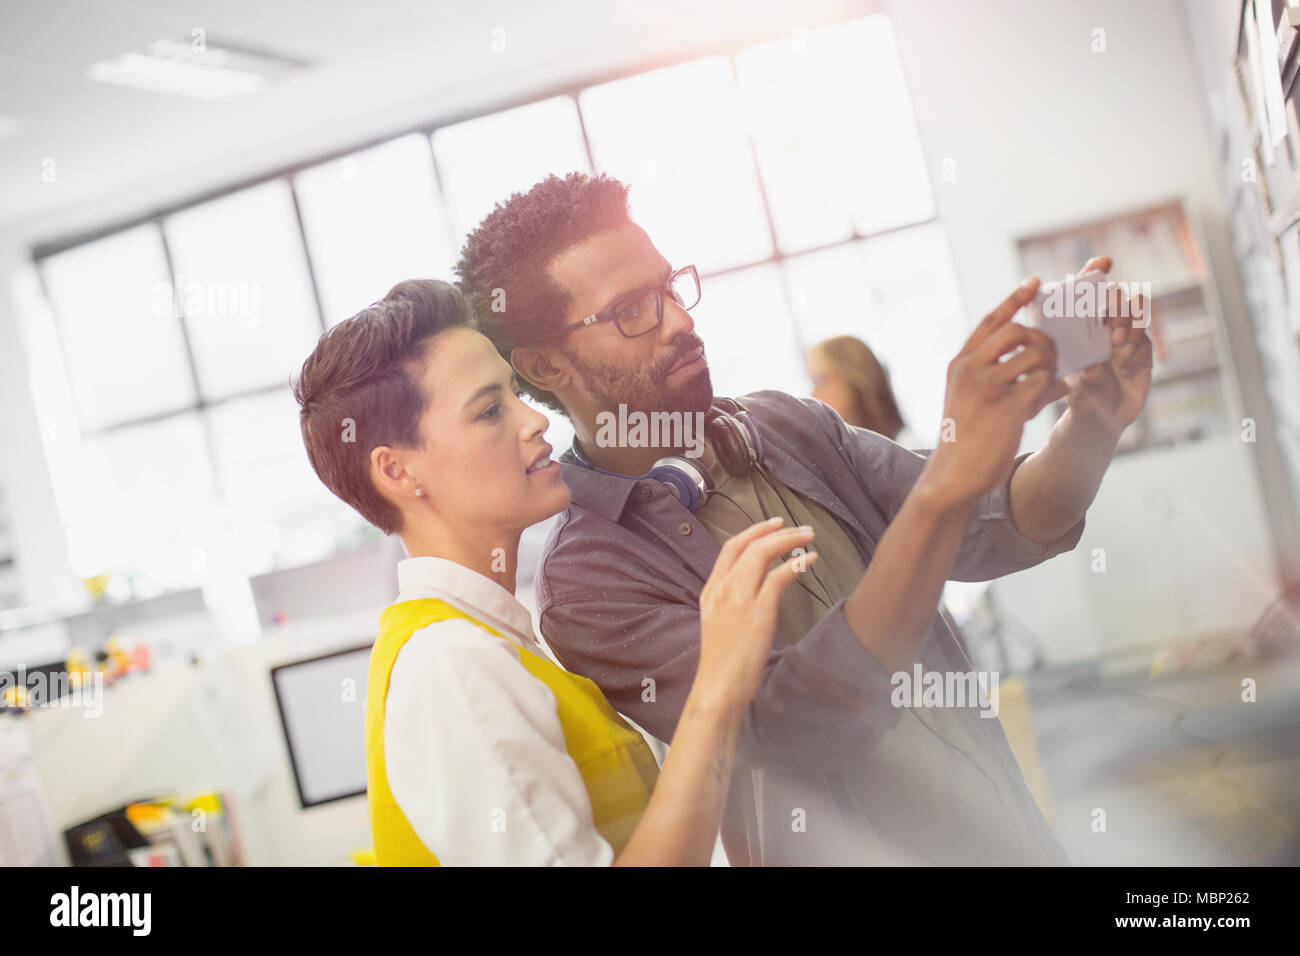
(377, 67)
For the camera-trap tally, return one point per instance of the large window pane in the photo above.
(243, 285)
(676, 136)
(373, 219)
(144, 505)
(482, 161)
(281, 514)
(124, 348)
(829, 294)
(749, 336)
(898, 294)
(833, 126)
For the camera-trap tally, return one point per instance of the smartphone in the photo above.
(1073, 313)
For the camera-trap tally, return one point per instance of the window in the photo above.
(789, 172)
(482, 161)
(113, 301)
(281, 514)
(834, 133)
(676, 136)
(147, 506)
(243, 289)
(897, 293)
(749, 338)
(373, 219)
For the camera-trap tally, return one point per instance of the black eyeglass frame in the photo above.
(611, 312)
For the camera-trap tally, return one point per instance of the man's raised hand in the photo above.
(1003, 376)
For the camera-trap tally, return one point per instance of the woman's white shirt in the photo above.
(474, 750)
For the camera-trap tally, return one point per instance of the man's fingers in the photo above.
(1093, 374)
(1032, 358)
(1140, 310)
(1100, 263)
(1132, 313)
(1010, 337)
(1119, 314)
(1135, 355)
(1001, 315)
(1039, 389)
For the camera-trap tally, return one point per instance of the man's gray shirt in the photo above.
(828, 770)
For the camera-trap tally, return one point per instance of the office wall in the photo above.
(1039, 131)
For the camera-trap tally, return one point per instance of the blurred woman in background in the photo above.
(848, 377)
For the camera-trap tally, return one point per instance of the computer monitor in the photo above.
(322, 702)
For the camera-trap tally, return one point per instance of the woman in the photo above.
(848, 377)
(479, 749)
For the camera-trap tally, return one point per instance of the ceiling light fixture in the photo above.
(201, 70)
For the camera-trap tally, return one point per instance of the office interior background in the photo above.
(192, 192)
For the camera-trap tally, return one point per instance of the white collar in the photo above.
(478, 596)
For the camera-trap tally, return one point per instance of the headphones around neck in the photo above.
(735, 439)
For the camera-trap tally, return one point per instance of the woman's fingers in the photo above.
(783, 575)
(733, 546)
(751, 567)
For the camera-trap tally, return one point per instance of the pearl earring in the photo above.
(418, 492)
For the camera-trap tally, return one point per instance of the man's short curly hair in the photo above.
(502, 267)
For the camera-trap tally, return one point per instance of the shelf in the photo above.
(1188, 399)
(1178, 289)
(1179, 374)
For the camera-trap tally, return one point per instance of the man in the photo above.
(829, 769)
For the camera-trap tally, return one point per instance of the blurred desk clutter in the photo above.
(198, 830)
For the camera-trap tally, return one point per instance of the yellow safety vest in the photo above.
(616, 765)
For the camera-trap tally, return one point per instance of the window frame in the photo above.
(156, 217)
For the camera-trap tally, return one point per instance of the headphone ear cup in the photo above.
(723, 441)
(746, 420)
(733, 441)
(689, 481)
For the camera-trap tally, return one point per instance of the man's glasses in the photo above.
(641, 311)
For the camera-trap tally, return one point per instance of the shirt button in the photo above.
(684, 528)
(644, 492)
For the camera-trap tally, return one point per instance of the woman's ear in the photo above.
(389, 474)
(534, 364)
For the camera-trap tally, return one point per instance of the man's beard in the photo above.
(644, 388)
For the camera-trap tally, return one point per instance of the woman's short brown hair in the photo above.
(360, 388)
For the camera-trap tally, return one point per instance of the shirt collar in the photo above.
(596, 491)
(475, 594)
(607, 494)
